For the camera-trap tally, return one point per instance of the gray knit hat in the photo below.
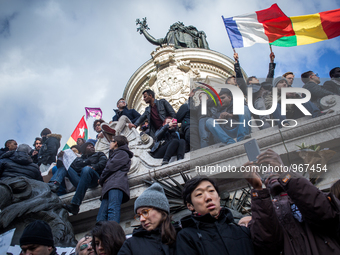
(278, 79)
(153, 196)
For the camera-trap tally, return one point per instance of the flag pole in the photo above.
(270, 47)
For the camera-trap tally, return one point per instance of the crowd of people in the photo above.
(289, 215)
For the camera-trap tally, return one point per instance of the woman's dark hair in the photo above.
(121, 140)
(192, 184)
(95, 123)
(335, 189)
(111, 235)
(168, 231)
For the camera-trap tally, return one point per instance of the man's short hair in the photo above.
(192, 184)
(95, 123)
(233, 76)
(225, 91)
(121, 140)
(305, 76)
(120, 99)
(333, 71)
(8, 142)
(288, 73)
(37, 139)
(149, 92)
(250, 78)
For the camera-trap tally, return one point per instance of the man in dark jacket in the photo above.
(19, 163)
(124, 116)
(83, 174)
(210, 229)
(291, 215)
(334, 84)
(35, 152)
(312, 81)
(49, 149)
(226, 132)
(189, 127)
(155, 113)
(10, 145)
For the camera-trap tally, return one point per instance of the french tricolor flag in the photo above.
(263, 26)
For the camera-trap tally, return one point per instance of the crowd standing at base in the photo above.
(289, 215)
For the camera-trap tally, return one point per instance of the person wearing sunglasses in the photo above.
(107, 238)
(84, 246)
(114, 180)
(312, 81)
(156, 234)
(124, 115)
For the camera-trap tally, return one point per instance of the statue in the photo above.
(179, 35)
(24, 200)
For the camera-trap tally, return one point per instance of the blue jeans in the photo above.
(204, 133)
(62, 187)
(110, 206)
(88, 178)
(311, 107)
(226, 135)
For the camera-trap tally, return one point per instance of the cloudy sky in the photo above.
(57, 57)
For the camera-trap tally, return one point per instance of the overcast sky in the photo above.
(57, 57)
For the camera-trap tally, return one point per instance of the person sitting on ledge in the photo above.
(168, 142)
(83, 173)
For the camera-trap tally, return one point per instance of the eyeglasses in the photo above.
(113, 141)
(97, 125)
(85, 246)
(121, 101)
(316, 74)
(144, 213)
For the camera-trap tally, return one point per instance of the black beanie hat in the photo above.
(37, 232)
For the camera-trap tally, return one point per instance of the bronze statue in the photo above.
(24, 200)
(179, 35)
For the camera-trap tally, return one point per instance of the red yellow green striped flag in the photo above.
(312, 28)
(81, 131)
(272, 26)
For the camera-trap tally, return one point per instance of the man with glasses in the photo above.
(312, 81)
(124, 116)
(34, 153)
(84, 246)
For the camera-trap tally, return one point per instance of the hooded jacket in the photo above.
(3, 150)
(49, 149)
(96, 160)
(304, 221)
(114, 175)
(18, 163)
(164, 110)
(132, 114)
(206, 235)
(146, 242)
